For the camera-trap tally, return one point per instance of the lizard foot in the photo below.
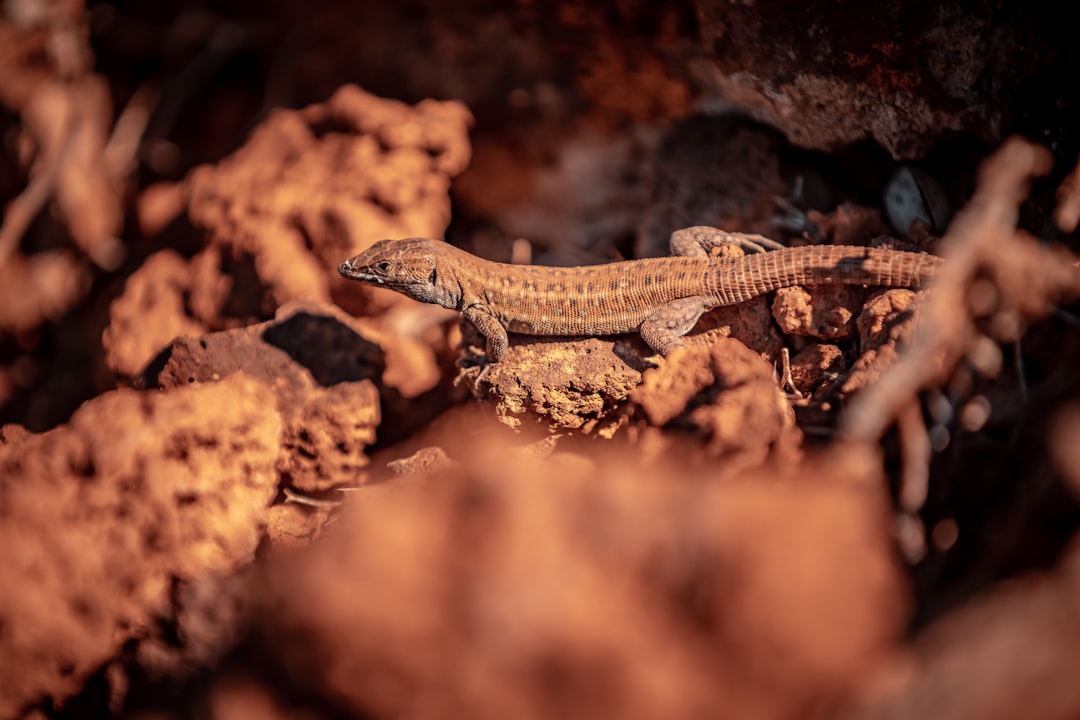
(699, 240)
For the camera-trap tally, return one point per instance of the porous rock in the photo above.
(824, 312)
(884, 320)
(323, 375)
(104, 514)
(568, 382)
(728, 394)
(314, 186)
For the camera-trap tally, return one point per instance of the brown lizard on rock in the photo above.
(661, 298)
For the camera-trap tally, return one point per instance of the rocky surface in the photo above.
(323, 375)
(102, 516)
(828, 75)
(727, 397)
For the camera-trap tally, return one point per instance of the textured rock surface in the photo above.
(311, 187)
(102, 516)
(308, 189)
(727, 396)
(323, 376)
(824, 312)
(153, 310)
(883, 322)
(750, 323)
(829, 75)
(815, 365)
(571, 383)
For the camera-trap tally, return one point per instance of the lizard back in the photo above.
(618, 297)
(589, 300)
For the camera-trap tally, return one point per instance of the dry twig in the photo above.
(1027, 280)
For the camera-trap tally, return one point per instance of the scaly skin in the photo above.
(662, 298)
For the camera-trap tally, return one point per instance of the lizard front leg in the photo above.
(492, 330)
(665, 327)
(697, 241)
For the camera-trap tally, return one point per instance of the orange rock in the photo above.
(103, 515)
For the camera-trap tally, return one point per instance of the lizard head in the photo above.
(410, 267)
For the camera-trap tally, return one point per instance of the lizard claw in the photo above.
(757, 243)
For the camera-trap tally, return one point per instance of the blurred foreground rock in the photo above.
(103, 516)
(510, 587)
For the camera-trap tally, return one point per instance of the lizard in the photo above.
(660, 298)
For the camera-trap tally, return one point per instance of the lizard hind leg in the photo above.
(664, 329)
(697, 241)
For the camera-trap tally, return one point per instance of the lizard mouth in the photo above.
(364, 274)
(352, 272)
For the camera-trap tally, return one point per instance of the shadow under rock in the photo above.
(330, 350)
(327, 348)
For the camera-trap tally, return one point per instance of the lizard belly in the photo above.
(592, 300)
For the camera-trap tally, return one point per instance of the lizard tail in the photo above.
(738, 280)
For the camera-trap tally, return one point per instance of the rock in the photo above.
(883, 321)
(827, 76)
(308, 189)
(314, 186)
(512, 587)
(816, 365)
(728, 395)
(323, 376)
(103, 515)
(824, 311)
(569, 383)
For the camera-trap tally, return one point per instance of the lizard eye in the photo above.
(384, 266)
(432, 278)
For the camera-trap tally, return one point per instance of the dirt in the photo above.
(233, 484)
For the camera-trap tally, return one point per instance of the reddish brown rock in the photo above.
(424, 461)
(292, 524)
(315, 186)
(583, 383)
(750, 323)
(103, 515)
(824, 312)
(878, 316)
(323, 375)
(816, 365)
(569, 383)
(309, 189)
(727, 394)
(511, 587)
(882, 323)
(829, 75)
(151, 312)
(168, 297)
